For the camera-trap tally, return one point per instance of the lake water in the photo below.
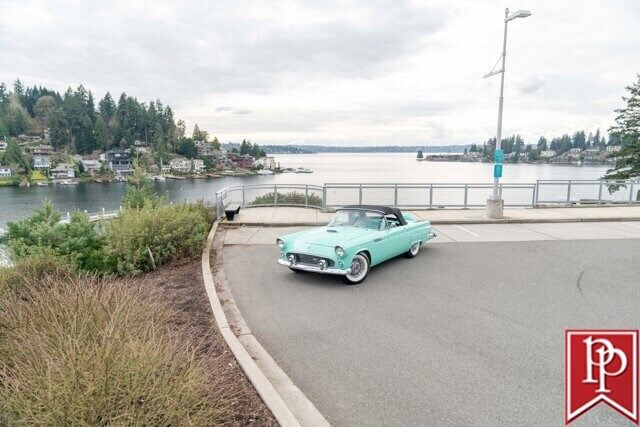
(16, 203)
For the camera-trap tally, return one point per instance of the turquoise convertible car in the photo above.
(357, 238)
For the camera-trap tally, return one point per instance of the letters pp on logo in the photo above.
(601, 366)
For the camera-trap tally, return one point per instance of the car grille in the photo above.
(310, 259)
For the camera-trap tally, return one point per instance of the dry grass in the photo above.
(83, 351)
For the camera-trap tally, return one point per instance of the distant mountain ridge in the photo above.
(311, 149)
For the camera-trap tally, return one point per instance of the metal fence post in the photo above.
(395, 196)
(430, 196)
(306, 196)
(243, 197)
(536, 193)
(275, 195)
(324, 196)
(631, 193)
(569, 192)
(466, 191)
(600, 193)
(360, 195)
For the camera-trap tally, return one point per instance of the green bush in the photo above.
(168, 232)
(87, 352)
(140, 191)
(78, 240)
(292, 198)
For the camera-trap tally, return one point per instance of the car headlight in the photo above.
(339, 251)
(280, 243)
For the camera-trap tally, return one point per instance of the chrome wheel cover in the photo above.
(415, 248)
(359, 268)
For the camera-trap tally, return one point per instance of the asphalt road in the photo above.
(464, 334)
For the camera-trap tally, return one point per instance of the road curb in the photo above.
(286, 401)
(436, 222)
(257, 378)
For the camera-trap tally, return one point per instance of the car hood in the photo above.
(332, 236)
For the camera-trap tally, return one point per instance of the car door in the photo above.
(379, 247)
(398, 237)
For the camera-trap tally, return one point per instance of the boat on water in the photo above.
(303, 170)
(265, 172)
(42, 184)
(67, 182)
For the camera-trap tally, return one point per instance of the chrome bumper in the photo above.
(313, 268)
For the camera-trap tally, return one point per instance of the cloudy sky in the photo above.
(365, 72)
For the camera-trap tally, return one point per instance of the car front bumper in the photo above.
(313, 268)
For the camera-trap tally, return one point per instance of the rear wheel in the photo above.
(359, 270)
(413, 250)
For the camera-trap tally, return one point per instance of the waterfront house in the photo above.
(42, 150)
(267, 162)
(63, 171)
(180, 165)
(41, 162)
(91, 166)
(205, 149)
(5, 172)
(547, 154)
(614, 148)
(119, 161)
(245, 161)
(574, 153)
(197, 165)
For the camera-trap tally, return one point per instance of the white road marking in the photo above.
(468, 231)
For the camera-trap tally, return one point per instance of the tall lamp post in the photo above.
(495, 204)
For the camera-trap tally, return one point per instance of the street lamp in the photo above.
(495, 204)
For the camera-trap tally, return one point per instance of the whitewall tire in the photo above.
(359, 269)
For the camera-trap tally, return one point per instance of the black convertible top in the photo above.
(379, 208)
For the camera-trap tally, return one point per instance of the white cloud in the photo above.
(531, 85)
(348, 72)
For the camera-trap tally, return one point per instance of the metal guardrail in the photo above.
(429, 195)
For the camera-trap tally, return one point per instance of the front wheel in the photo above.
(413, 250)
(359, 270)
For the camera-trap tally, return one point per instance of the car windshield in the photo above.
(357, 218)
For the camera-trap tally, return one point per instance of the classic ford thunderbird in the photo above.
(357, 238)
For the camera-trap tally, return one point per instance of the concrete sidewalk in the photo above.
(276, 216)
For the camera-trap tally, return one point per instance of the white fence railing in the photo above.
(429, 195)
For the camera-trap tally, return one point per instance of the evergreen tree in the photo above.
(199, 135)
(107, 108)
(18, 88)
(596, 138)
(579, 140)
(188, 149)
(58, 129)
(542, 144)
(101, 134)
(627, 129)
(13, 156)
